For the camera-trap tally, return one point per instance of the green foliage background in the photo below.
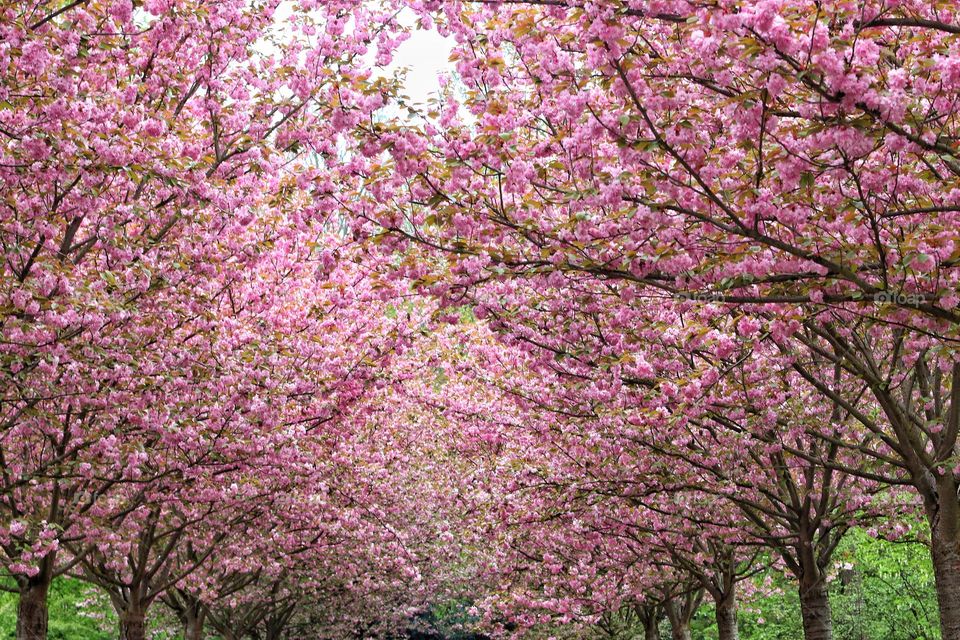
(888, 594)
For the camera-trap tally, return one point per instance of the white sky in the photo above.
(426, 56)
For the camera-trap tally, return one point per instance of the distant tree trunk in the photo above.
(649, 616)
(275, 624)
(726, 615)
(651, 630)
(680, 630)
(274, 628)
(226, 629)
(194, 617)
(680, 611)
(32, 609)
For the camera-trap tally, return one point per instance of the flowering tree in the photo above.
(149, 152)
(696, 262)
(793, 161)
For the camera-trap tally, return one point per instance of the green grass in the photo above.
(77, 612)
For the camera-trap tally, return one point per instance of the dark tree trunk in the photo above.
(277, 622)
(32, 608)
(815, 609)
(944, 518)
(680, 630)
(651, 629)
(726, 613)
(194, 617)
(649, 616)
(274, 630)
(133, 625)
(680, 611)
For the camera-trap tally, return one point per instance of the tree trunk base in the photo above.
(32, 612)
(946, 570)
(815, 611)
(727, 621)
(133, 626)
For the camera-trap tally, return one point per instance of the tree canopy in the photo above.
(649, 316)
